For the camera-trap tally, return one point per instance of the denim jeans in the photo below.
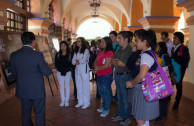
(104, 86)
(122, 91)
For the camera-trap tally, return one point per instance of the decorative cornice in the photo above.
(44, 23)
(185, 30)
(158, 20)
(132, 28)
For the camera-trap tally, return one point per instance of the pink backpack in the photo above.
(157, 84)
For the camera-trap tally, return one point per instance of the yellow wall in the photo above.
(124, 22)
(177, 12)
(136, 12)
(162, 8)
(116, 27)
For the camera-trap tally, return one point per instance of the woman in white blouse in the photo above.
(81, 59)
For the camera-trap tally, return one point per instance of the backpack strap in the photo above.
(181, 50)
(116, 48)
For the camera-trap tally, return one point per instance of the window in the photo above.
(15, 21)
(28, 5)
(20, 3)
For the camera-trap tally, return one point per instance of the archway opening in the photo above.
(181, 23)
(94, 28)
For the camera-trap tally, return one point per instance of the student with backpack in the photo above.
(180, 54)
(115, 46)
(162, 51)
(142, 110)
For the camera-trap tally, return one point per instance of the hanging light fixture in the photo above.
(95, 4)
(95, 14)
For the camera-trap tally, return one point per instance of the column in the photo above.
(73, 37)
(39, 26)
(159, 24)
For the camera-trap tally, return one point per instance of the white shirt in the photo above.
(28, 46)
(169, 46)
(175, 48)
(83, 59)
(147, 59)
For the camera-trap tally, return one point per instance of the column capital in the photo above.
(133, 28)
(39, 25)
(188, 4)
(159, 23)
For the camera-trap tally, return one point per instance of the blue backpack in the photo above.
(176, 67)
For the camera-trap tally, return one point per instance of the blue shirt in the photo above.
(114, 46)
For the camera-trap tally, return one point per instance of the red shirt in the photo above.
(101, 61)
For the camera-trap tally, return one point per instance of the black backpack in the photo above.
(91, 59)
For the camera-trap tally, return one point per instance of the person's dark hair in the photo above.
(180, 35)
(99, 40)
(69, 39)
(93, 43)
(131, 35)
(165, 34)
(27, 38)
(108, 44)
(125, 35)
(163, 48)
(67, 47)
(113, 32)
(83, 45)
(148, 35)
(74, 43)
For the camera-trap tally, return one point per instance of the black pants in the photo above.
(74, 83)
(38, 108)
(163, 106)
(179, 88)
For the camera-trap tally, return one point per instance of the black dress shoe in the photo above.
(158, 119)
(175, 107)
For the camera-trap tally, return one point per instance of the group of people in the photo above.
(117, 58)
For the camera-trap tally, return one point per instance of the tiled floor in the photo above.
(10, 112)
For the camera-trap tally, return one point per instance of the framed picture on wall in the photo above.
(8, 78)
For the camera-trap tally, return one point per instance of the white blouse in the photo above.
(83, 59)
(147, 59)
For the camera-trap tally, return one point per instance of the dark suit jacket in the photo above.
(29, 67)
(182, 60)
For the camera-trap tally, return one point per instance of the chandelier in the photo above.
(95, 4)
(95, 14)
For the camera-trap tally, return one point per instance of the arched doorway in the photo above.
(94, 28)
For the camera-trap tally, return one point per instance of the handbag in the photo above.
(157, 84)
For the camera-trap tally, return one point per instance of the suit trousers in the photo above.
(38, 108)
(83, 88)
(64, 83)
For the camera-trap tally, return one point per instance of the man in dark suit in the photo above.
(29, 67)
(180, 54)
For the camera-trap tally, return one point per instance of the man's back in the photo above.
(29, 67)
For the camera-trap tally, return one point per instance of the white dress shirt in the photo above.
(169, 46)
(83, 59)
